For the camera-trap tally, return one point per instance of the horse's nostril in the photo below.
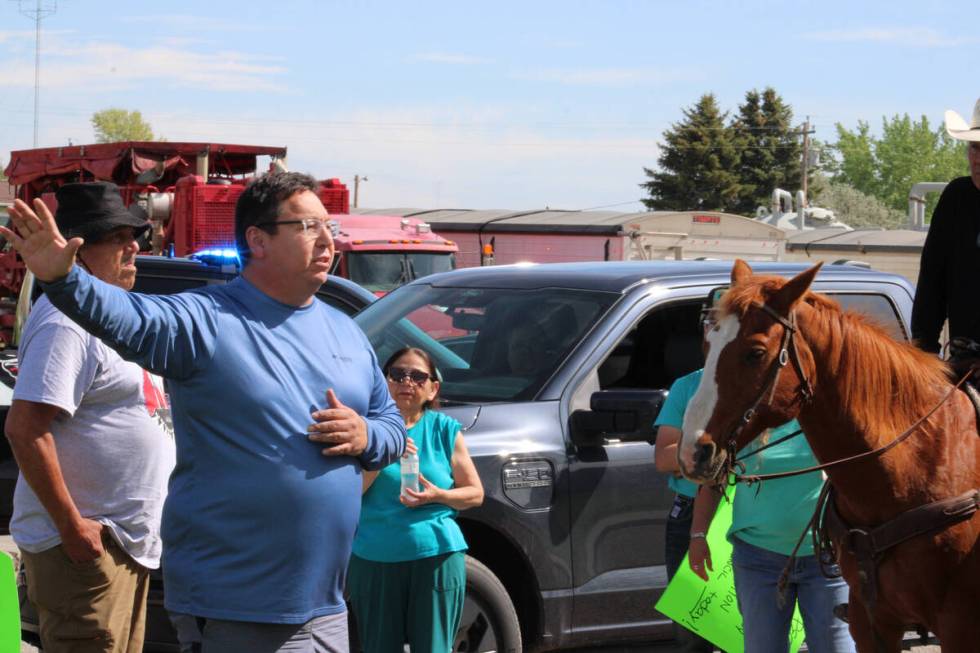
(704, 453)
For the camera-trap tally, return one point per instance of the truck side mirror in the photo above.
(624, 415)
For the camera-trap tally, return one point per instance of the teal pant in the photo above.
(419, 602)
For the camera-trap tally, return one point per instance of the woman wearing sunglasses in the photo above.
(407, 575)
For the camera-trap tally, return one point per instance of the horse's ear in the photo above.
(740, 271)
(789, 294)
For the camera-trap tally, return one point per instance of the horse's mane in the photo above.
(878, 378)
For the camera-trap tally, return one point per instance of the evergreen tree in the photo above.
(769, 149)
(697, 164)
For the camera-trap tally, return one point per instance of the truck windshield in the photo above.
(489, 344)
(385, 271)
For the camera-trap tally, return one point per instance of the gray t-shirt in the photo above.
(114, 436)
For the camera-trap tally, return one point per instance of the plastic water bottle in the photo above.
(410, 472)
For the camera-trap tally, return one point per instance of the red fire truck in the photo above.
(189, 190)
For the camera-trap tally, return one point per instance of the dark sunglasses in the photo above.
(400, 374)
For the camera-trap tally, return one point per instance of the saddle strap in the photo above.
(869, 545)
(924, 519)
(911, 523)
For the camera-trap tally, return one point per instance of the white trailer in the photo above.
(549, 236)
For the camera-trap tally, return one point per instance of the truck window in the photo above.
(490, 344)
(877, 307)
(664, 345)
(385, 271)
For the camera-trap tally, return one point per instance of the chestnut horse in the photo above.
(854, 390)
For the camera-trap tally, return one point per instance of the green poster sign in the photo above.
(9, 606)
(710, 608)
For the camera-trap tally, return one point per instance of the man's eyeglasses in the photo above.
(401, 374)
(311, 226)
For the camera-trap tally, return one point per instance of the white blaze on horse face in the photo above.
(702, 404)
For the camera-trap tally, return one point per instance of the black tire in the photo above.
(489, 622)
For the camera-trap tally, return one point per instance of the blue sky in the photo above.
(515, 105)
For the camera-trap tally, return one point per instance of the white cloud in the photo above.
(923, 37)
(99, 66)
(467, 157)
(12, 36)
(604, 76)
(15, 35)
(428, 157)
(450, 58)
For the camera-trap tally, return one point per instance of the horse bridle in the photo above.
(788, 353)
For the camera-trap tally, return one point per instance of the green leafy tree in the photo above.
(907, 152)
(697, 164)
(112, 125)
(769, 148)
(859, 210)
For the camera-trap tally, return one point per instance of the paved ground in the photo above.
(7, 545)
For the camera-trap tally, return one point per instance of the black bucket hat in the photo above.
(93, 209)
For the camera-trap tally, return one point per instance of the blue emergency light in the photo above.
(226, 257)
(225, 253)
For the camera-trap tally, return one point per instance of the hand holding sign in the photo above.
(703, 600)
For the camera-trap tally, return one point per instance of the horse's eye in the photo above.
(755, 355)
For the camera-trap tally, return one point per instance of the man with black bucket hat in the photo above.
(278, 404)
(92, 437)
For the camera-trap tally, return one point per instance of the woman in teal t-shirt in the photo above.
(767, 521)
(407, 575)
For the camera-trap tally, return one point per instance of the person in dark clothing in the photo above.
(950, 268)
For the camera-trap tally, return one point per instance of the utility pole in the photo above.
(357, 184)
(806, 155)
(41, 10)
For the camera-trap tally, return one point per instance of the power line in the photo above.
(40, 11)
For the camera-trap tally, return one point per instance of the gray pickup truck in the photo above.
(556, 372)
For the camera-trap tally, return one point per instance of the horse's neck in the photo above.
(863, 487)
(878, 487)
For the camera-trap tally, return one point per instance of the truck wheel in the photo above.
(489, 622)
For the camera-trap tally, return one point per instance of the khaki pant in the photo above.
(97, 606)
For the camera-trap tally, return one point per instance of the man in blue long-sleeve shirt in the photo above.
(278, 404)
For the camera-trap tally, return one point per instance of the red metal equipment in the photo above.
(189, 191)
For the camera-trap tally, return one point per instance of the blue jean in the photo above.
(766, 625)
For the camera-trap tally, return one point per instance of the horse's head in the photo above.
(756, 373)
